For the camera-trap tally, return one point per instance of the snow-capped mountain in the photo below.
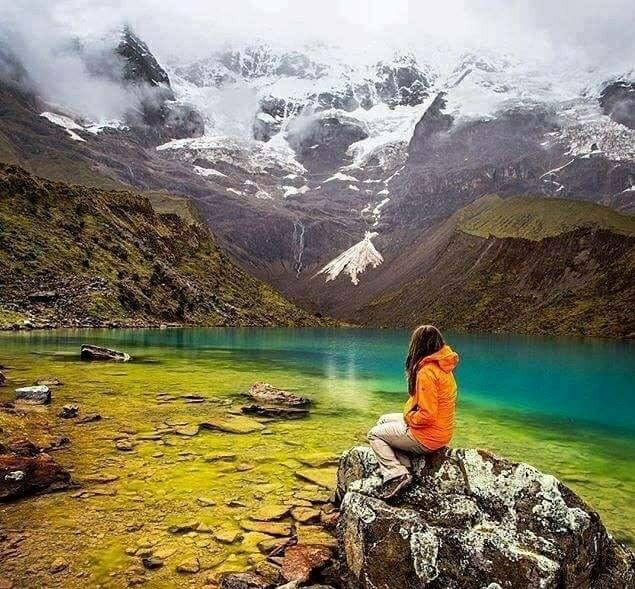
(314, 167)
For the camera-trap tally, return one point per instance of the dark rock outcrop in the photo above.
(618, 101)
(402, 82)
(25, 471)
(473, 520)
(140, 66)
(182, 121)
(90, 352)
(321, 141)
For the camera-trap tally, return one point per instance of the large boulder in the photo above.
(89, 352)
(24, 470)
(472, 520)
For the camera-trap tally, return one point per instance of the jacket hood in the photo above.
(446, 358)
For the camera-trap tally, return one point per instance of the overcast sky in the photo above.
(599, 32)
(551, 35)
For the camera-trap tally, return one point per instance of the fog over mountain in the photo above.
(572, 43)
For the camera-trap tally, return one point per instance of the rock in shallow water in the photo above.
(22, 475)
(472, 519)
(268, 394)
(235, 425)
(68, 411)
(89, 352)
(35, 395)
(276, 412)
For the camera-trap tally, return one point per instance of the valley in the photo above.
(340, 184)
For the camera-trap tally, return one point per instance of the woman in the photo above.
(427, 422)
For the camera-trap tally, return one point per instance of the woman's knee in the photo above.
(389, 418)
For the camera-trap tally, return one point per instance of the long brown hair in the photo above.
(425, 340)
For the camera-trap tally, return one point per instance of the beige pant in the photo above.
(392, 443)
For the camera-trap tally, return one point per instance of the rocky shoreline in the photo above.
(471, 520)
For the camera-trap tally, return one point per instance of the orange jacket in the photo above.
(429, 413)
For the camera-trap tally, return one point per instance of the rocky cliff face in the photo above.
(472, 520)
(618, 101)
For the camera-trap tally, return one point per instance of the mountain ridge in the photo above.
(76, 256)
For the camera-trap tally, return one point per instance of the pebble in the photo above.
(124, 445)
(206, 501)
(152, 562)
(270, 512)
(305, 515)
(191, 566)
(58, 565)
(184, 528)
(228, 536)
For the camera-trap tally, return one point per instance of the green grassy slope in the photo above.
(72, 255)
(544, 267)
(533, 217)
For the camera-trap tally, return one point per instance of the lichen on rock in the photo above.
(472, 520)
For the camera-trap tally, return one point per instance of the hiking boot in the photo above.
(393, 487)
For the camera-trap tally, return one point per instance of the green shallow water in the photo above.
(563, 405)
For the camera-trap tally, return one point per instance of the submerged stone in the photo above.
(100, 479)
(269, 528)
(89, 418)
(183, 528)
(58, 565)
(228, 536)
(305, 515)
(187, 430)
(124, 446)
(236, 425)
(49, 381)
(276, 412)
(270, 512)
(322, 477)
(206, 501)
(315, 536)
(219, 456)
(152, 562)
(189, 566)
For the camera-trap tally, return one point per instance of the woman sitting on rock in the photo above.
(427, 422)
